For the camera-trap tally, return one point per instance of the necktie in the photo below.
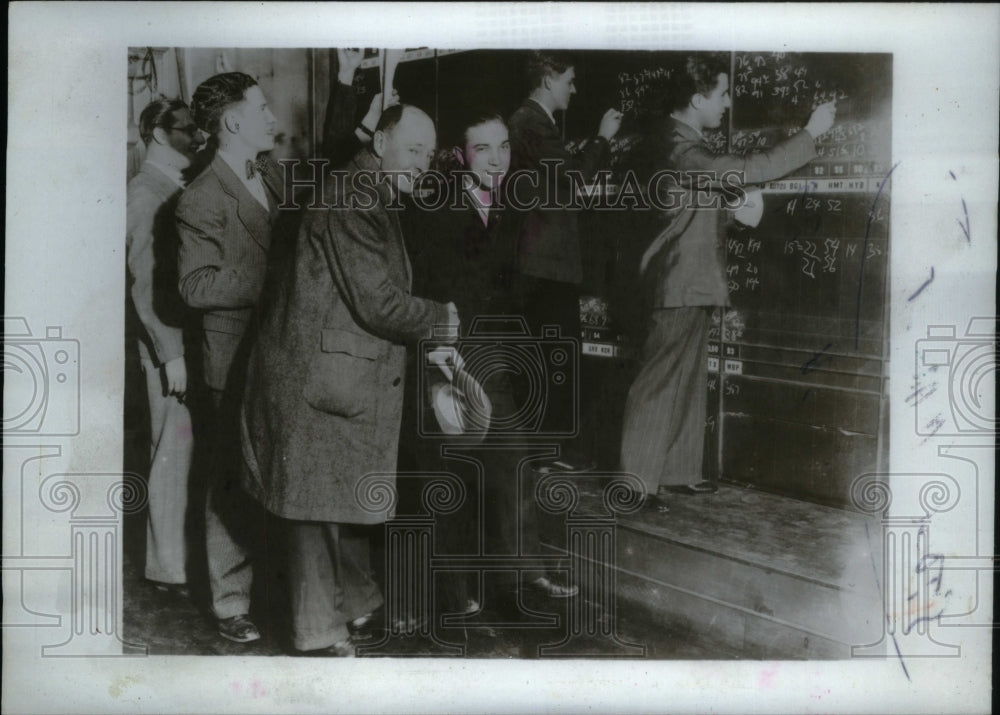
(256, 167)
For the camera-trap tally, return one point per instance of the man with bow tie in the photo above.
(225, 221)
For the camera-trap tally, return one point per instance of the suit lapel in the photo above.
(254, 217)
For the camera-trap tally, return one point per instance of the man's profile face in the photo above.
(257, 125)
(712, 108)
(562, 88)
(487, 152)
(183, 137)
(407, 148)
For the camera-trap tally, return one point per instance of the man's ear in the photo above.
(231, 121)
(698, 100)
(378, 143)
(160, 136)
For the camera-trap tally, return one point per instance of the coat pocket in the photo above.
(341, 379)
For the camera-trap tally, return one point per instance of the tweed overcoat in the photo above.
(324, 390)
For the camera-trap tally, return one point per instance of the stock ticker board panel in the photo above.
(803, 344)
(796, 387)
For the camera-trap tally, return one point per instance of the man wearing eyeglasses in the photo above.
(171, 140)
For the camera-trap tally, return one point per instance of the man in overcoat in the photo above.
(324, 390)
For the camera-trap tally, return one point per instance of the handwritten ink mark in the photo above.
(966, 228)
(864, 255)
(922, 286)
(920, 393)
(813, 362)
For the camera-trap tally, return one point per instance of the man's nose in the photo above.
(269, 117)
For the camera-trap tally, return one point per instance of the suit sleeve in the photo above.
(355, 243)
(339, 140)
(207, 282)
(532, 141)
(141, 207)
(756, 166)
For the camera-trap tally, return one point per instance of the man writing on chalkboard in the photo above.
(683, 275)
(549, 263)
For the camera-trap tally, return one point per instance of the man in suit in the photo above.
(171, 140)
(225, 221)
(549, 260)
(325, 385)
(683, 274)
(465, 251)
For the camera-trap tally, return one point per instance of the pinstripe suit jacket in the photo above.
(225, 238)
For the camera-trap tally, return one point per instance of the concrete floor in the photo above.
(169, 624)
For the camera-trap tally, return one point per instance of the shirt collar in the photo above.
(544, 109)
(680, 121)
(171, 172)
(238, 166)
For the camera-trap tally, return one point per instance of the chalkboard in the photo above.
(797, 361)
(817, 264)
(774, 93)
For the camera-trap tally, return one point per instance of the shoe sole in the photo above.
(234, 639)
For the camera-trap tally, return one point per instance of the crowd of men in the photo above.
(291, 347)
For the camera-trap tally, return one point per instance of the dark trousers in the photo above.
(663, 435)
(545, 303)
(233, 521)
(498, 517)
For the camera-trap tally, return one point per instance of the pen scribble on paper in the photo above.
(813, 362)
(872, 214)
(966, 226)
(923, 285)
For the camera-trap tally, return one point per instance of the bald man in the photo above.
(324, 393)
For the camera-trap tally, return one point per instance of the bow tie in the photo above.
(256, 167)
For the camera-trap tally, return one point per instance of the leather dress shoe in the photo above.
(699, 488)
(654, 503)
(341, 649)
(181, 589)
(362, 628)
(552, 589)
(238, 629)
(568, 466)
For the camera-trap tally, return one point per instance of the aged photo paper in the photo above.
(839, 305)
